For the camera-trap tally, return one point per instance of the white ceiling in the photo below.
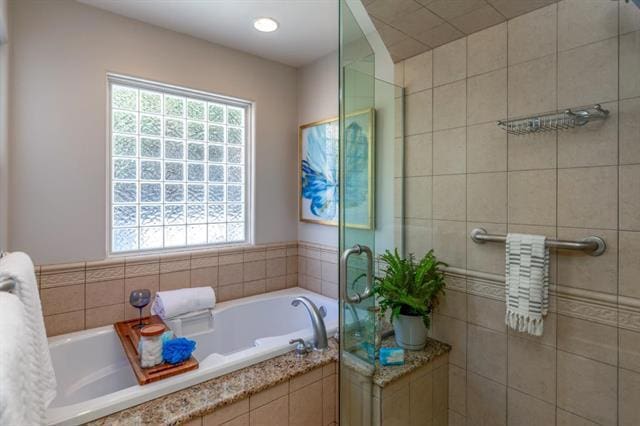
(308, 28)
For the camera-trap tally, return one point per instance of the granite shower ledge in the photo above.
(202, 399)
(413, 360)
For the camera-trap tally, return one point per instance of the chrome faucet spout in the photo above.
(320, 341)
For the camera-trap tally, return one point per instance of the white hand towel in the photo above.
(28, 384)
(527, 282)
(169, 304)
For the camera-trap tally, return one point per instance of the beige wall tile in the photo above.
(227, 413)
(230, 292)
(418, 197)
(330, 402)
(204, 277)
(450, 105)
(276, 283)
(565, 418)
(595, 144)
(450, 241)
(486, 401)
(532, 368)
(251, 288)
(630, 131)
(486, 312)
(174, 280)
(525, 410)
(532, 86)
(549, 333)
(418, 236)
(104, 315)
(587, 197)
(456, 419)
(276, 267)
(440, 35)
(453, 304)
(450, 62)
(587, 388)
(418, 73)
(62, 299)
(629, 396)
(630, 197)
(230, 274)
(398, 67)
(629, 65)
(487, 97)
(486, 148)
(486, 257)
(457, 389)
(533, 35)
(292, 264)
(629, 349)
(453, 332)
(305, 379)
(534, 151)
(487, 50)
(487, 353)
(487, 197)
(64, 323)
(305, 406)
(477, 20)
(194, 422)
(599, 85)
(274, 413)
(396, 408)
(532, 197)
(582, 22)
(440, 390)
(417, 155)
(418, 113)
(450, 151)
(577, 269)
(449, 197)
(104, 293)
(630, 264)
(588, 339)
(254, 270)
(421, 393)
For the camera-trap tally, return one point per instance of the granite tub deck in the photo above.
(197, 401)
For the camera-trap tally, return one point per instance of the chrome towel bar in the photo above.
(592, 245)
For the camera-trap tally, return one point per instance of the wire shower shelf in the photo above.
(567, 119)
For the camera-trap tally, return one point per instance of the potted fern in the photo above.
(410, 291)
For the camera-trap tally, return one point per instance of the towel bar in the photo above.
(592, 245)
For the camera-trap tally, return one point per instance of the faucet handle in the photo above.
(302, 348)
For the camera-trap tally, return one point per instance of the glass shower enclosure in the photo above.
(370, 204)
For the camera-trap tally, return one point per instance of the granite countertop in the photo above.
(203, 398)
(413, 360)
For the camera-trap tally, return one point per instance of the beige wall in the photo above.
(62, 51)
(462, 171)
(4, 136)
(318, 100)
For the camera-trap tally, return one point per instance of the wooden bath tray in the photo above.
(130, 336)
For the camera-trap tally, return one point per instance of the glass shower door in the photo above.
(370, 211)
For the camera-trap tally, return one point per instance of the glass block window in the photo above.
(178, 167)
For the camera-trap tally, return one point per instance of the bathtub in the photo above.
(95, 378)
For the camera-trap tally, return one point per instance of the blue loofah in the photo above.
(177, 350)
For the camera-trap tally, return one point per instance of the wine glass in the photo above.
(139, 299)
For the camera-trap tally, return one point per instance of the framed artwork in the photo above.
(319, 162)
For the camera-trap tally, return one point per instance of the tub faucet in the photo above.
(319, 330)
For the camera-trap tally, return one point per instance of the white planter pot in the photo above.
(411, 332)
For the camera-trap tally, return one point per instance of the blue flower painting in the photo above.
(319, 185)
(319, 173)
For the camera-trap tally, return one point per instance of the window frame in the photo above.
(249, 166)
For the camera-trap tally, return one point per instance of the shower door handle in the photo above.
(344, 259)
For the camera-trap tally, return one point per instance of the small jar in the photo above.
(150, 347)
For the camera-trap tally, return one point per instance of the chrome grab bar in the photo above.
(344, 259)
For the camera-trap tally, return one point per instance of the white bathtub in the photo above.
(95, 379)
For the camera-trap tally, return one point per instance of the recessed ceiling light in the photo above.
(265, 25)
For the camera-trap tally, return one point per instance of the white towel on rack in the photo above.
(28, 384)
(527, 282)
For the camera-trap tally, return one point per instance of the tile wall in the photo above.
(462, 172)
(307, 400)
(318, 268)
(91, 294)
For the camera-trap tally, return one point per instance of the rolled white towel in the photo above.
(169, 304)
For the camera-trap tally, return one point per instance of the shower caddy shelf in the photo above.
(567, 119)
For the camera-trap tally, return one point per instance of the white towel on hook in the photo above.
(527, 282)
(28, 385)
